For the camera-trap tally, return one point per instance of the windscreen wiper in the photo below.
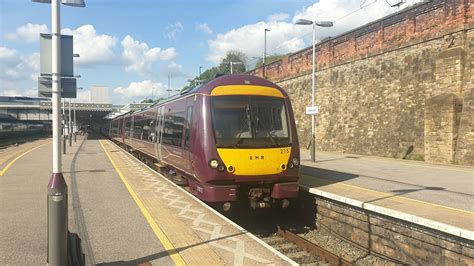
(239, 140)
(275, 142)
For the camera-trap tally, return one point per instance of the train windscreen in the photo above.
(249, 121)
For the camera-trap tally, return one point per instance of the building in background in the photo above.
(100, 94)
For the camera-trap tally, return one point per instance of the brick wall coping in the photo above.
(438, 226)
(409, 13)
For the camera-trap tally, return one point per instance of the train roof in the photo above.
(235, 79)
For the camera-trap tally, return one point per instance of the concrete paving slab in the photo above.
(437, 196)
(23, 188)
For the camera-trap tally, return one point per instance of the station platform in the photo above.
(439, 197)
(124, 212)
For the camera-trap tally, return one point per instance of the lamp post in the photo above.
(313, 130)
(74, 107)
(69, 127)
(75, 125)
(232, 66)
(57, 253)
(265, 53)
(200, 68)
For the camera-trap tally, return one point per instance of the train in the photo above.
(231, 139)
(12, 128)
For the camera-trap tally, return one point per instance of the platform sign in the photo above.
(68, 82)
(68, 87)
(67, 69)
(312, 110)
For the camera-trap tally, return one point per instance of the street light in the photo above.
(75, 126)
(320, 24)
(265, 53)
(200, 67)
(57, 253)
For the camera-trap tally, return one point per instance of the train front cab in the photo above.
(256, 147)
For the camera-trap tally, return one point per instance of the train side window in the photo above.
(173, 128)
(120, 124)
(159, 125)
(128, 124)
(189, 120)
(137, 129)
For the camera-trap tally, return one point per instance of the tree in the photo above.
(270, 59)
(151, 101)
(223, 68)
(233, 56)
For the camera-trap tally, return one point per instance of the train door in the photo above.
(159, 132)
(187, 133)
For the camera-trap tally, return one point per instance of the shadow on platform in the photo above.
(147, 259)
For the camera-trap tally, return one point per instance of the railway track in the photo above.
(301, 250)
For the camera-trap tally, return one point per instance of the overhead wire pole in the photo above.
(63, 123)
(265, 54)
(232, 66)
(70, 125)
(74, 131)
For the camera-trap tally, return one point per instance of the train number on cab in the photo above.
(284, 151)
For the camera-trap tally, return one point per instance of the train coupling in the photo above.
(259, 198)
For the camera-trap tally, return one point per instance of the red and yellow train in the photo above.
(233, 137)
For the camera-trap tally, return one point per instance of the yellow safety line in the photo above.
(396, 196)
(178, 260)
(4, 170)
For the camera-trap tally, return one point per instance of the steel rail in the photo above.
(312, 248)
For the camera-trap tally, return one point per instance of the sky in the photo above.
(133, 46)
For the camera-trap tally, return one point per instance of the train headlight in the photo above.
(213, 164)
(295, 161)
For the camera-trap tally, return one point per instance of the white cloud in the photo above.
(174, 70)
(7, 54)
(10, 92)
(278, 17)
(27, 33)
(18, 71)
(93, 49)
(283, 37)
(139, 58)
(204, 28)
(143, 89)
(173, 30)
(33, 92)
(14, 67)
(286, 37)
